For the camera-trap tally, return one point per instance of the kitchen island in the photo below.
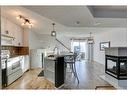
(54, 70)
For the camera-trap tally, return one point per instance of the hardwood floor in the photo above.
(105, 88)
(88, 74)
(30, 80)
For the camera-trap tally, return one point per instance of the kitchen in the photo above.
(18, 55)
(15, 51)
(27, 36)
(15, 55)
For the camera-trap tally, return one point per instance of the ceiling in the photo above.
(71, 16)
(41, 24)
(109, 11)
(90, 19)
(84, 16)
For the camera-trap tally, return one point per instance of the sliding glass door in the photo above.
(83, 49)
(80, 47)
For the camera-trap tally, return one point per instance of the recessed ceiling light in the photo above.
(77, 22)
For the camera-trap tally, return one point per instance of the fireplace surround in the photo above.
(116, 62)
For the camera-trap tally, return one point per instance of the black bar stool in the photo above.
(71, 59)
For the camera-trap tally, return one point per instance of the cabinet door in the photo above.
(26, 63)
(3, 21)
(22, 63)
(18, 34)
(9, 28)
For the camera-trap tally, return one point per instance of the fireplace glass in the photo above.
(123, 69)
(112, 66)
(116, 66)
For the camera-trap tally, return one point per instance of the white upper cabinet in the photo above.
(9, 28)
(18, 34)
(13, 31)
(3, 25)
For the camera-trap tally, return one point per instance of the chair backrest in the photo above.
(70, 58)
(75, 56)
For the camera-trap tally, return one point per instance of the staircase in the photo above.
(63, 45)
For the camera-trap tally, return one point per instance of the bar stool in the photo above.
(71, 59)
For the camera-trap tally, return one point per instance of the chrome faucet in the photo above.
(55, 50)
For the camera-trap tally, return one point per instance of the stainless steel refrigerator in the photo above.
(37, 58)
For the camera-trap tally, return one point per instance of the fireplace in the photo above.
(116, 66)
(116, 63)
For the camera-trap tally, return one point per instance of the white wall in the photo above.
(34, 42)
(117, 37)
(66, 41)
(45, 41)
(25, 37)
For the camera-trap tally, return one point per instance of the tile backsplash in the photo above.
(16, 51)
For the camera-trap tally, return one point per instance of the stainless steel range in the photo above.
(11, 68)
(4, 56)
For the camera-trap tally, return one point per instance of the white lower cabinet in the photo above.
(25, 63)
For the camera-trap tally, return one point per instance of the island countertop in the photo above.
(54, 57)
(54, 69)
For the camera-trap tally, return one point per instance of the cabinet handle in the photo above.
(7, 32)
(19, 44)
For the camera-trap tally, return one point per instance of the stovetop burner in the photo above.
(5, 54)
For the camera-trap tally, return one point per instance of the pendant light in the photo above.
(90, 39)
(53, 33)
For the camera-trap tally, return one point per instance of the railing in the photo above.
(63, 45)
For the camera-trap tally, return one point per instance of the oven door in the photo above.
(13, 65)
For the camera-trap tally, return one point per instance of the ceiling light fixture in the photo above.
(77, 22)
(53, 33)
(90, 39)
(25, 21)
